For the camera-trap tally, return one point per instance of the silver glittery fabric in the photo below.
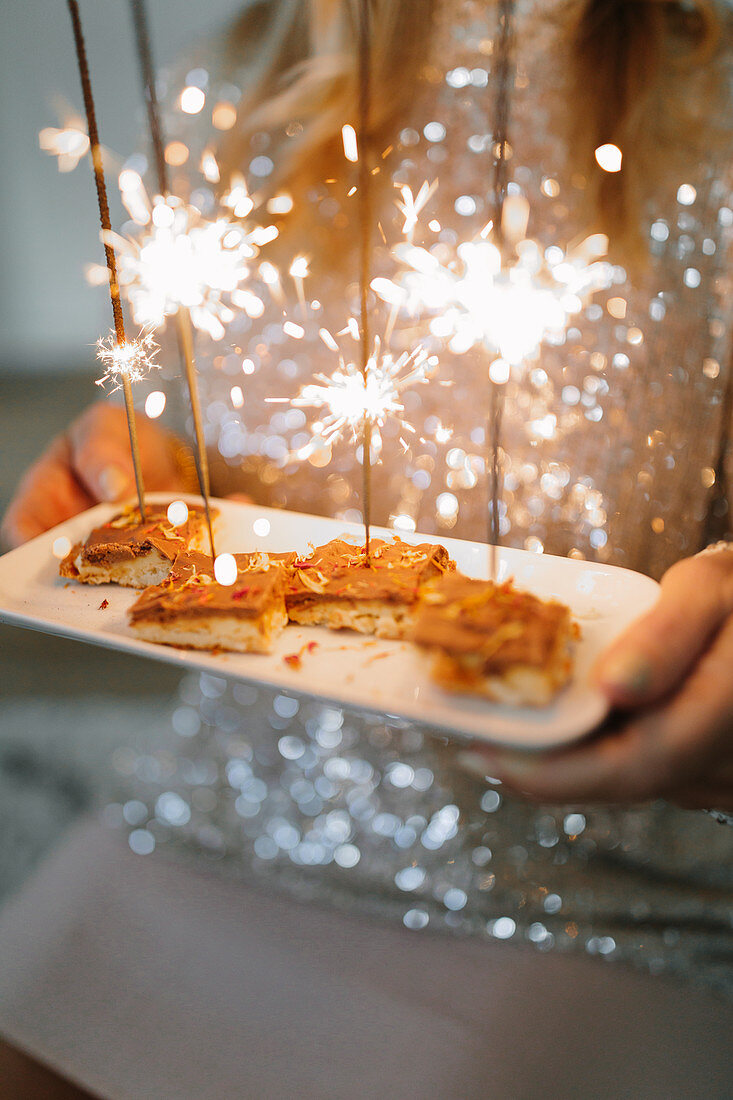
(613, 437)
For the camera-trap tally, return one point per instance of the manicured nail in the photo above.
(475, 763)
(509, 768)
(627, 672)
(113, 483)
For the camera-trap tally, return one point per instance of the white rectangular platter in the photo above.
(370, 674)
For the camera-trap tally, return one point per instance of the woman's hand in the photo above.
(90, 463)
(670, 676)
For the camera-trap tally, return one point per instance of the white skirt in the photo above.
(148, 978)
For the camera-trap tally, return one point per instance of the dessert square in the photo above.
(494, 640)
(127, 552)
(338, 588)
(190, 609)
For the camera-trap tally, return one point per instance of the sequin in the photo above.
(371, 813)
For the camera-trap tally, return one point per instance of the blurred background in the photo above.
(48, 220)
(64, 708)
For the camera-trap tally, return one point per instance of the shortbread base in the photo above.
(140, 572)
(230, 632)
(520, 686)
(386, 620)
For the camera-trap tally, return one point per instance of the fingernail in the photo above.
(627, 672)
(475, 763)
(113, 483)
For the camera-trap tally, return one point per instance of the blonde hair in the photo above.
(643, 73)
(305, 69)
(638, 70)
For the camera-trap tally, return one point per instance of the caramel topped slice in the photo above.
(192, 589)
(339, 570)
(128, 551)
(495, 640)
(338, 587)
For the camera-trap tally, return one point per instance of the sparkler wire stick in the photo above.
(104, 217)
(496, 409)
(147, 71)
(365, 237)
(500, 135)
(185, 331)
(183, 317)
(501, 113)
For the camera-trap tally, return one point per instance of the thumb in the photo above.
(657, 651)
(100, 453)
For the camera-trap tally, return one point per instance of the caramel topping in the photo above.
(339, 570)
(499, 624)
(192, 590)
(125, 537)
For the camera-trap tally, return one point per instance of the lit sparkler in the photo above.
(349, 395)
(411, 205)
(123, 360)
(185, 264)
(478, 300)
(131, 360)
(181, 260)
(506, 300)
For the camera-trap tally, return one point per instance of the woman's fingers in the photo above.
(686, 742)
(48, 494)
(101, 454)
(655, 654)
(91, 463)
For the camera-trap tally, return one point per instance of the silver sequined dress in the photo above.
(613, 439)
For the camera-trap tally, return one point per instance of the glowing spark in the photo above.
(210, 167)
(69, 145)
(478, 299)
(280, 204)
(328, 339)
(351, 149)
(252, 305)
(299, 270)
(182, 260)
(269, 273)
(346, 398)
(133, 359)
(411, 205)
(263, 234)
(299, 267)
(237, 197)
